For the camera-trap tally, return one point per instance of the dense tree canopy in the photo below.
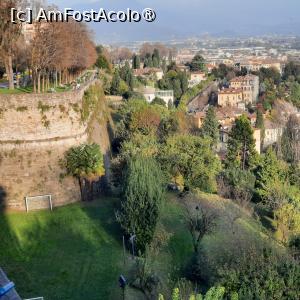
(53, 53)
(85, 162)
(197, 63)
(241, 144)
(176, 81)
(191, 157)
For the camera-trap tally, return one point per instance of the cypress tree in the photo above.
(241, 144)
(210, 127)
(260, 124)
(143, 192)
(115, 84)
(136, 62)
(156, 58)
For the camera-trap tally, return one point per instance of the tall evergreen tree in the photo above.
(210, 127)
(260, 124)
(156, 54)
(269, 170)
(136, 62)
(143, 192)
(156, 58)
(197, 63)
(148, 62)
(126, 74)
(164, 65)
(115, 84)
(259, 120)
(290, 141)
(241, 144)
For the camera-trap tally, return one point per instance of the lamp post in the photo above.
(122, 283)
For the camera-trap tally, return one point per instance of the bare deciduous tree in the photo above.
(56, 52)
(9, 34)
(201, 220)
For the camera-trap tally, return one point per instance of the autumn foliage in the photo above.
(53, 53)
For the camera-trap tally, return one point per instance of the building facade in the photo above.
(151, 93)
(256, 64)
(250, 86)
(230, 97)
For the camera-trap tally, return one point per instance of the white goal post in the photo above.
(38, 202)
(38, 298)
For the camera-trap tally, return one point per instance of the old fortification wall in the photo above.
(35, 131)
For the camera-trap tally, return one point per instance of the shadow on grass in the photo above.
(73, 253)
(3, 196)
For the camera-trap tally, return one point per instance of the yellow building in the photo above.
(256, 64)
(230, 97)
(250, 86)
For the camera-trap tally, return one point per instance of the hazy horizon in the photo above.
(194, 18)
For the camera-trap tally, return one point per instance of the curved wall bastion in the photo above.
(35, 132)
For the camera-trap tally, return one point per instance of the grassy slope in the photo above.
(72, 253)
(76, 251)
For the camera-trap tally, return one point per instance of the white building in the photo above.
(196, 78)
(273, 132)
(151, 93)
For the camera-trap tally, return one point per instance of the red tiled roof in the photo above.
(231, 91)
(243, 78)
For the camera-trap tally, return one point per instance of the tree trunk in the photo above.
(89, 190)
(43, 83)
(82, 188)
(10, 72)
(34, 80)
(39, 82)
(48, 82)
(56, 79)
(59, 74)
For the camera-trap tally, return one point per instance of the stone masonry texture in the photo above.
(35, 132)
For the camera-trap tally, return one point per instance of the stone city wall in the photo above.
(35, 132)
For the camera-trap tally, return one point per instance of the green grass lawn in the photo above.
(75, 252)
(6, 91)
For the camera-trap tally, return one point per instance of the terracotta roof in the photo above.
(222, 113)
(231, 91)
(228, 112)
(243, 78)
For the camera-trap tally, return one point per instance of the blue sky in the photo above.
(195, 17)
